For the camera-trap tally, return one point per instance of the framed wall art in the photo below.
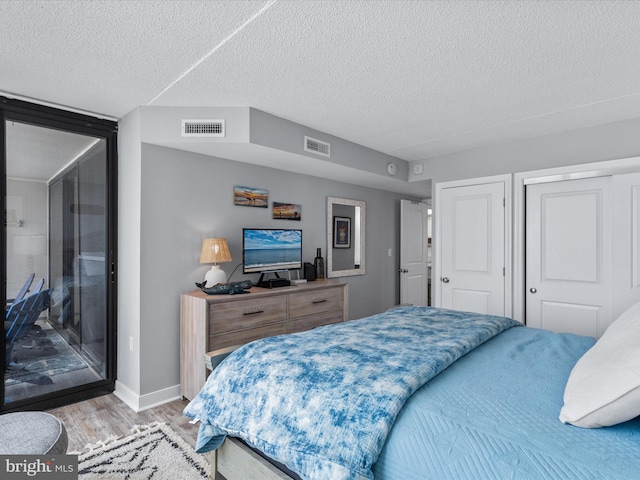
(287, 211)
(250, 197)
(341, 232)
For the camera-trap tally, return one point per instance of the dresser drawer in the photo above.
(316, 301)
(213, 325)
(312, 321)
(240, 337)
(245, 314)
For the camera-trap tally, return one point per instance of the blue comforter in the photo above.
(494, 415)
(322, 402)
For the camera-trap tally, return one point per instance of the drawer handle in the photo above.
(253, 313)
(320, 301)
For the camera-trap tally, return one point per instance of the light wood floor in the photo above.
(95, 420)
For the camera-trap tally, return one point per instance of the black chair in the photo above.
(21, 316)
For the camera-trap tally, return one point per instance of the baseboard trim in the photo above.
(138, 403)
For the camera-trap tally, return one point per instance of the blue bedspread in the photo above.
(494, 415)
(322, 402)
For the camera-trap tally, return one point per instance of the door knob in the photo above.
(403, 270)
(533, 290)
(445, 279)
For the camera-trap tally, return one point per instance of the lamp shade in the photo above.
(215, 250)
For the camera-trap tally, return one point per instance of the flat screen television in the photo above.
(271, 249)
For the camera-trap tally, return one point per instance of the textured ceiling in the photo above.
(414, 79)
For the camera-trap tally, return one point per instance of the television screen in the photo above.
(268, 250)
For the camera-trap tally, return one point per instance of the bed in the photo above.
(421, 392)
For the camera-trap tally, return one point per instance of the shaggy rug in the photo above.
(152, 452)
(44, 354)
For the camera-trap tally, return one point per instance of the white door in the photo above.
(626, 242)
(414, 258)
(472, 248)
(569, 255)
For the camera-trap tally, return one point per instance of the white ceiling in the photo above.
(38, 153)
(413, 79)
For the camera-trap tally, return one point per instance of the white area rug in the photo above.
(153, 452)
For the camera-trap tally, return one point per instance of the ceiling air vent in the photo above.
(203, 128)
(316, 146)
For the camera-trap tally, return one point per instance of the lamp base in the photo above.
(214, 276)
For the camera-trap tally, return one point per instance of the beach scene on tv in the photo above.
(271, 250)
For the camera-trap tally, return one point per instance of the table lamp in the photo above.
(215, 250)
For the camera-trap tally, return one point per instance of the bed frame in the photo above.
(235, 461)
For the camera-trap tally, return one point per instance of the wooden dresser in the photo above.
(219, 323)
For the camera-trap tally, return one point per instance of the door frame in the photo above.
(508, 240)
(82, 123)
(558, 174)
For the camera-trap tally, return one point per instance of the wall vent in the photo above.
(203, 128)
(316, 146)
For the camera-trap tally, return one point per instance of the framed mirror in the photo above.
(345, 237)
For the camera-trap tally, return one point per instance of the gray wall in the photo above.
(129, 181)
(611, 141)
(285, 135)
(186, 197)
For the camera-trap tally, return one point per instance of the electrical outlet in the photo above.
(131, 344)
(389, 253)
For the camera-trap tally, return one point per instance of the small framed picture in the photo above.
(287, 211)
(250, 197)
(341, 232)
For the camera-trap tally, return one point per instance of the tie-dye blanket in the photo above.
(322, 402)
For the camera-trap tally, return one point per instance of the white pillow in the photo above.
(604, 386)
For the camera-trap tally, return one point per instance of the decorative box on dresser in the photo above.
(214, 325)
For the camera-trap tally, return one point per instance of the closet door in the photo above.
(569, 255)
(626, 242)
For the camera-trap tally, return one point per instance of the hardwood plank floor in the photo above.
(95, 420)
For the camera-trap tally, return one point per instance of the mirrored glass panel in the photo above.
(346, 237)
